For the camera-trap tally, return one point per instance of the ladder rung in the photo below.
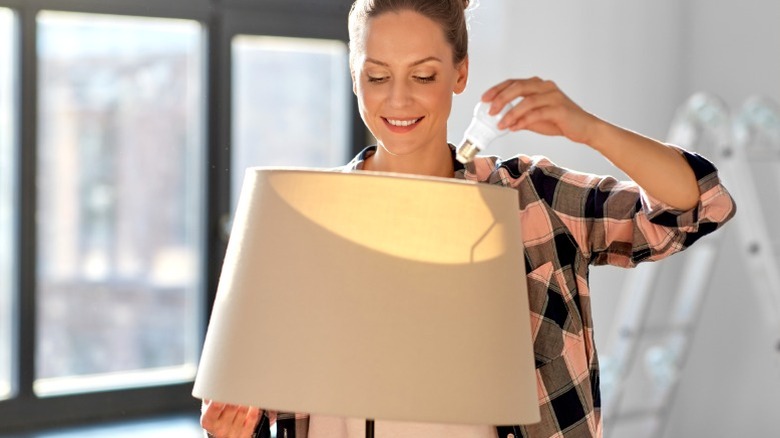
(635, 414)
(754, 248)
(763, 155)
(654, 330)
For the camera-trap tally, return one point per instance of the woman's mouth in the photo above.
(401, 125)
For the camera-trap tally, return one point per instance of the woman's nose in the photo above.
(400, 94)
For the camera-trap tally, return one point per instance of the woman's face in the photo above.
(404, 77)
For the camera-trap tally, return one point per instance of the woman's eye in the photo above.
(425, 79)
(377, 79)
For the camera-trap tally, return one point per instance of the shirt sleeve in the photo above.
(618, 223)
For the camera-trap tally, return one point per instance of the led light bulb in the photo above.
(482, 130)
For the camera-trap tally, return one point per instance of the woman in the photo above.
(407, 59)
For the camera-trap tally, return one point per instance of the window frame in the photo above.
(221, 21)
(13, 159)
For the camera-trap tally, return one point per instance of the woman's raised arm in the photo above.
(658, 168)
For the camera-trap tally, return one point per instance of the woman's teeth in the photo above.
(402, 122)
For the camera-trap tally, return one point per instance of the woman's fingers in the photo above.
(493, 91)
(243, 423)
(251, 419)
(540, 120)
(228, 421)
(526, 106)
(210, 411)
(511, 89)
(514, 85)
(544, 109)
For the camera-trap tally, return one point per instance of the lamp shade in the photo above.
(373, 295)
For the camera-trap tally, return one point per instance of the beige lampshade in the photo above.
(373, 296)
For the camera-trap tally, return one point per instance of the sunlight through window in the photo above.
(120, 201)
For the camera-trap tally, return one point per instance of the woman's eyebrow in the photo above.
(415, 63)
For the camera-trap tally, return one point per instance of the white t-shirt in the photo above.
(321, 426)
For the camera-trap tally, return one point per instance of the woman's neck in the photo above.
(431, 162)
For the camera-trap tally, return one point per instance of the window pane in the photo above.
(291, 99)
(7, 176)
(120, 201)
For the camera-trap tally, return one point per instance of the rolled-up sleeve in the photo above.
(630, 226)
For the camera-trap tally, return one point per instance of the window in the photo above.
(115, 174)
(7, 188)
(120, 201)
(291, 104)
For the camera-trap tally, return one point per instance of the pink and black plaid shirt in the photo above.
(572, 220)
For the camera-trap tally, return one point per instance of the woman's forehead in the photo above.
(404, 36)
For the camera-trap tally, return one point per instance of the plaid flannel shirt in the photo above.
(572, 220)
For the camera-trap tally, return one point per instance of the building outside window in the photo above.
(125, 131)
(284, 114)
(120, 201)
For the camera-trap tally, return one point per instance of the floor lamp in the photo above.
(372, 295)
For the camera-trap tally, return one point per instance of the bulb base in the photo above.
(467, 151)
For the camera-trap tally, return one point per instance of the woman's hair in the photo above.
(450, 14)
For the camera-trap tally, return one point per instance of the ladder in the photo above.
(662, 303)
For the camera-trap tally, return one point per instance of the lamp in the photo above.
(373, 295)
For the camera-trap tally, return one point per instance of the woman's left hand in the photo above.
(545, 109)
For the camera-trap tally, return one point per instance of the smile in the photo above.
(403, 123)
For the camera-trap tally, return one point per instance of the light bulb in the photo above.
(482, 130)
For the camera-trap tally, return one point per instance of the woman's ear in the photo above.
(463, 76)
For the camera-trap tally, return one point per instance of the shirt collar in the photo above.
(461, 171)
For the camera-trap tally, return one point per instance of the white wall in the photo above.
(633, 63)
(732, 384)
(610, 58)
(733, 48)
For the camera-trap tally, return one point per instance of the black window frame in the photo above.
(221, 20)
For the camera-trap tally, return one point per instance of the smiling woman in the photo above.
(407, 60)
(405, 76)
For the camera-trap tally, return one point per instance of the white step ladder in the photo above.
(661, 302)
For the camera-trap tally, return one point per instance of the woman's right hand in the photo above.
(222, 420)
